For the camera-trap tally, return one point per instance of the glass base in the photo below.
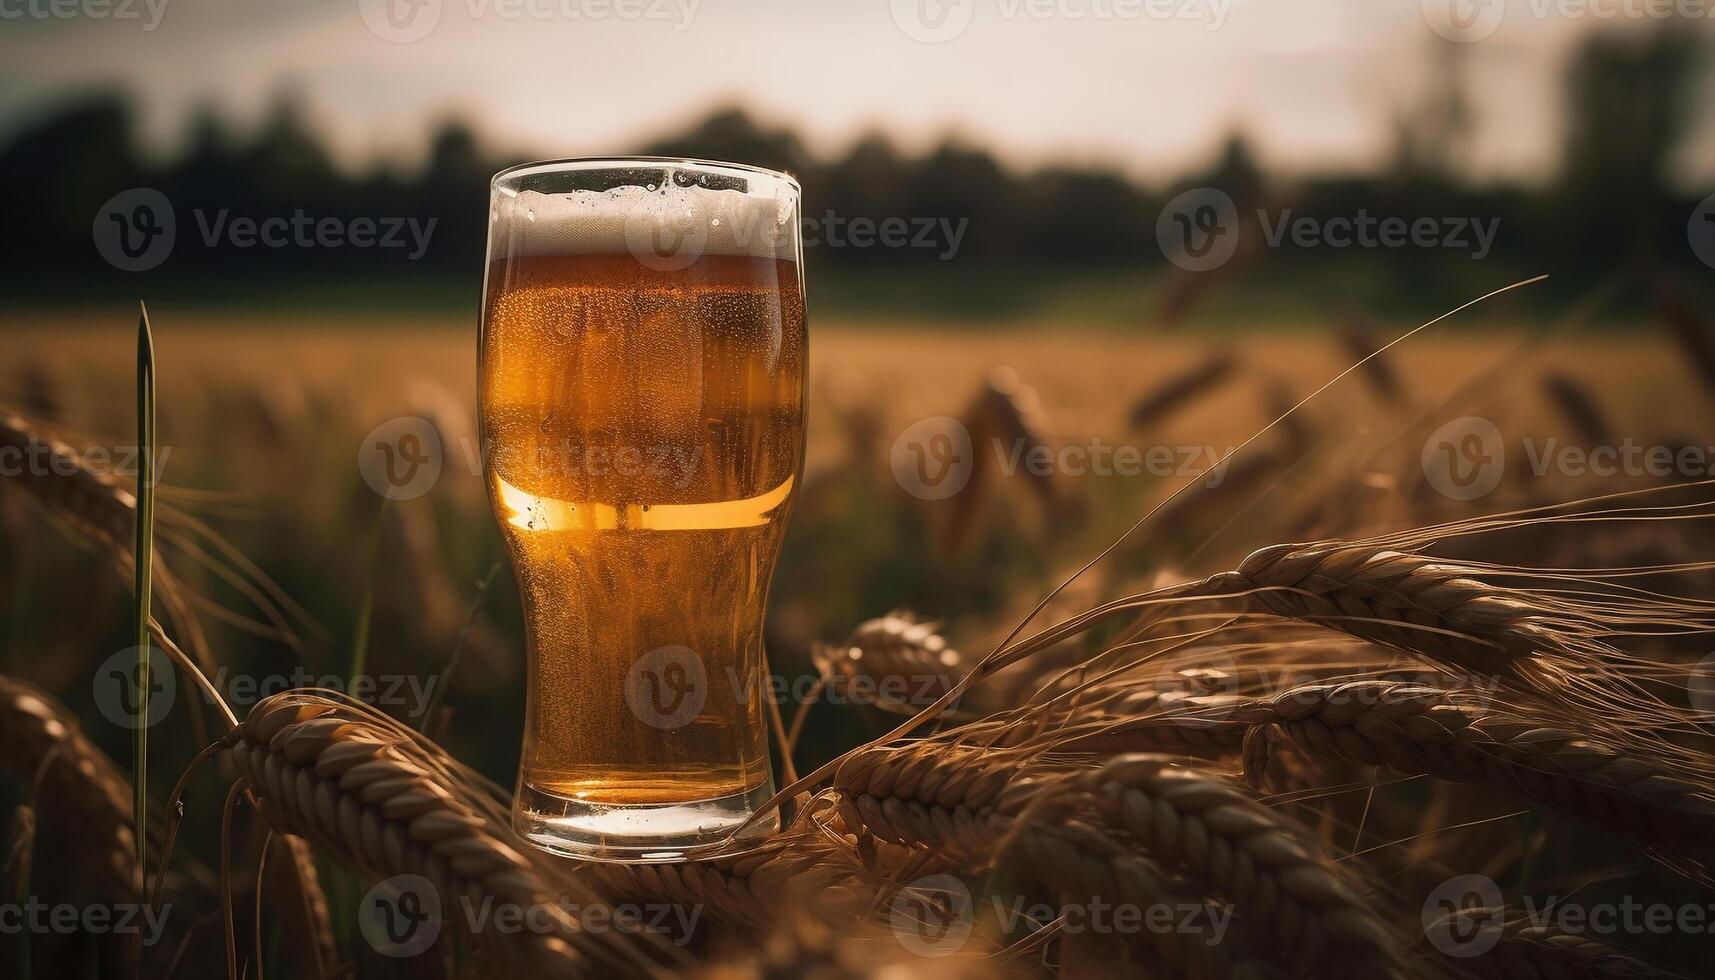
(642, 833)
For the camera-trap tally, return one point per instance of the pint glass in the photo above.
(642, 411)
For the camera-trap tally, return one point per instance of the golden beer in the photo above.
(642, 401)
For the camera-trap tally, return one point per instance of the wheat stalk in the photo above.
(96, 506)
(1454, 735)
(1213, 832)
(1416, 729)
(89, 500)
(1524, 949)
(1174, 392)
(901, 655)
(384, 802)
(1408, 602)
(895, 795)
(39, 740)
(1085, 863)
(980, 805)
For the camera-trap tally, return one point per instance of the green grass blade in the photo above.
(143, 552)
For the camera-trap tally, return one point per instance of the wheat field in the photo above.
(1324, 714)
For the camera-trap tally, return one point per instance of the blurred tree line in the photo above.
(1609, 204)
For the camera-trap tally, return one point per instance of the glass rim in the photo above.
(573, 164)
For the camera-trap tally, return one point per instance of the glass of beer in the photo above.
(642, 413)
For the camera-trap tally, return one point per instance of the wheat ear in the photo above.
(982, 805)
(292, 879)
(1408, 602)
(1522, 949)
(97, 507)
(1417, 729)
(899, 647)
(1213, 832)
(39, 739)
(383, 804)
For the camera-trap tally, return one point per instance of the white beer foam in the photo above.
(666, 221)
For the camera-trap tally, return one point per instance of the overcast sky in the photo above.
(1314, 81)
